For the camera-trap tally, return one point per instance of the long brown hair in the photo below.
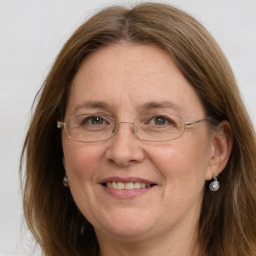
(228, 218)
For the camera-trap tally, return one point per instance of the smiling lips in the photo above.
(126, 188)
(127, 185)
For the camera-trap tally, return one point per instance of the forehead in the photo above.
(128, 74)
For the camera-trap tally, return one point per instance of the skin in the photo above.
(163, 220)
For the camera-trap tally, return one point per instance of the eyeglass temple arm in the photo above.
(197, 121)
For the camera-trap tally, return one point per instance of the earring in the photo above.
(214, 185)
(65, 180)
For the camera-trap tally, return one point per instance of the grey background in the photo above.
(32, 33)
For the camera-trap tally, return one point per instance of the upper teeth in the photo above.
(127, 185)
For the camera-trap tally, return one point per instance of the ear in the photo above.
(221, 147)
(64, 162)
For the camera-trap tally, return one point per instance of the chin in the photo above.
(127, 227)
(126, 234)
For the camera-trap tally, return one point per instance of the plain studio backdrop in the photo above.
(31, 35)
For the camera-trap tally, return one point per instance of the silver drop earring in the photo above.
(214, 185)
(65, 180)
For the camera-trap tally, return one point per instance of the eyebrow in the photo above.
(92, 104)
(148, 106)
(159, 105)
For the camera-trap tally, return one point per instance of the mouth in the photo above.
(127, 185)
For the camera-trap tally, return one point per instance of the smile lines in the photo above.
(127, 185)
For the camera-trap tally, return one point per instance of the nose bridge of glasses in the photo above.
(121, 122)
(134, 128)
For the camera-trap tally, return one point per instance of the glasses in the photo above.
(157, 127)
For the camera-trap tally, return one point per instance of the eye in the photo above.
(94, 120)
(161, 121)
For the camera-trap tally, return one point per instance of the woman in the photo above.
(140, 143)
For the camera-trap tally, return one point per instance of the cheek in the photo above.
(182, 163)
(81, 160)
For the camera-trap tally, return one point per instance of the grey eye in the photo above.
(96, 120)
(93, 120)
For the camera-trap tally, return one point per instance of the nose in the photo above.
(125, 148)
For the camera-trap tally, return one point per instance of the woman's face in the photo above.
(125, 81)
